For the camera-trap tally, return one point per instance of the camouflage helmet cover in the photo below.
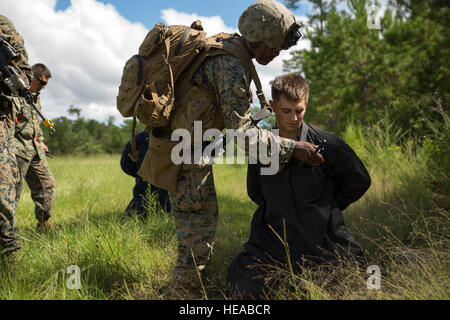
(268, 21)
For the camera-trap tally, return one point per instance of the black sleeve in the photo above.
(352, 178)
(253, 187)
(142, 141)
(128, 165)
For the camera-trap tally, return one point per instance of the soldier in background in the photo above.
(9, 175)
(30, 153)
(137, 204)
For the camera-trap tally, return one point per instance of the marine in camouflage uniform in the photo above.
(31, 160)
(33, 165)
(194, 206)
(9, 174)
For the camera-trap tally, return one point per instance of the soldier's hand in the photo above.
(305, 152)
(44, 146)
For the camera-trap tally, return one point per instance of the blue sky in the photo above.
(148, 12)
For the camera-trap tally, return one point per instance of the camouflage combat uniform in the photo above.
(32, 162)
(9, 175)
(194, 206)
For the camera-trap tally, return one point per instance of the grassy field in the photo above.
(402, 222)
(119, 258)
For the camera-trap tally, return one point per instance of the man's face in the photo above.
(289, 114)
(265, 54)
(37, 84)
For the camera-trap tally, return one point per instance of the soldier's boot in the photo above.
(44, 227)
(186, 285)
(181, 291)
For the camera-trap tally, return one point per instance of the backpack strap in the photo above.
(19, 130)
(236, 47)
(167, 46)
(134, 155)
(181, 42)
(140, 69)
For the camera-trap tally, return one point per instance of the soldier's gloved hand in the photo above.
(305, 152)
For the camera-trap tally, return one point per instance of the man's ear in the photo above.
(272, 104)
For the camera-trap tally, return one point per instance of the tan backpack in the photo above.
(147, 90)
(148, 79)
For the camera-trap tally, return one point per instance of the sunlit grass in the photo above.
(401, 222)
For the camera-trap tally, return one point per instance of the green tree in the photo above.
(356, 72)
(88, 136)
(74, 111)
(320, 9)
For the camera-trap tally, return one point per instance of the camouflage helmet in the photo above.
(271, 22)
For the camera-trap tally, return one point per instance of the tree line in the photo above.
(88, 136)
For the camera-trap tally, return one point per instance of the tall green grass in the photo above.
(401, 221)
(116, 255)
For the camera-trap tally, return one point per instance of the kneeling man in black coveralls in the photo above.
(137, 204)
(308, 200)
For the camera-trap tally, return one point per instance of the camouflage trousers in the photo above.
(41, 183)
(9, 238)
(195, 213)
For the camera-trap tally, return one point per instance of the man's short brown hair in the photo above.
(292, 86)
(40, 70)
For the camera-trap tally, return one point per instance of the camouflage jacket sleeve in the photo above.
(27, 132)
(8, 31)
(230, 80)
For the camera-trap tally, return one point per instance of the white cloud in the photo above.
(211, 25)
(84, 46)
